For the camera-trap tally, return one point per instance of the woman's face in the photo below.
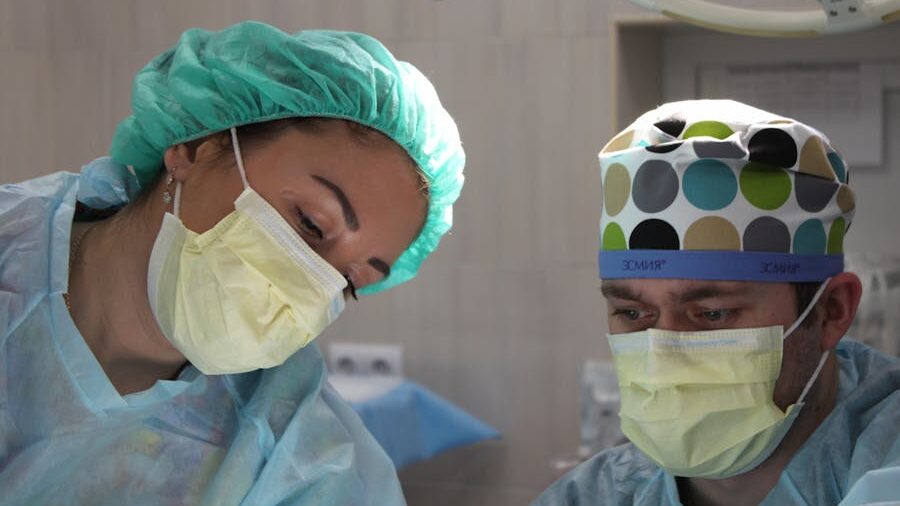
(356, 202)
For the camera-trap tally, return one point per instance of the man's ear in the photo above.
(839, 303)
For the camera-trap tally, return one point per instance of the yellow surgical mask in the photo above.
(700, 404)
(244, 295)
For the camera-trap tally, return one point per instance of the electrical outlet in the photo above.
(357, 359)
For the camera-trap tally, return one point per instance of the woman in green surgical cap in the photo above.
(157, 309)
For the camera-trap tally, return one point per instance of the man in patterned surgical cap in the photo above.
(721, 259)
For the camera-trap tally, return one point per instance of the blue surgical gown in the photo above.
(275, 436)
(853, 458)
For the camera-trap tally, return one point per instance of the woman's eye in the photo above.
(351, 287)
(310, 227)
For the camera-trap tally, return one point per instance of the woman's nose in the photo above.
(349, 262)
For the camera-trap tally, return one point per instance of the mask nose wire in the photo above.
(238, 157)
(808, 309)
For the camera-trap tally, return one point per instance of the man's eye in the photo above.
(310, 227)
(628, 314)
(715, 315)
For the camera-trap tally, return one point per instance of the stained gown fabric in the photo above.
(275, 436)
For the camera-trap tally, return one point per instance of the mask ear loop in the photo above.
(796, 324)
(808, 309)
(176, 204)
(238, 157)
(814, 376)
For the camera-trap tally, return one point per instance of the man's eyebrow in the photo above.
(349, 213)
(619, 292)
(708, 292)
(380, 266)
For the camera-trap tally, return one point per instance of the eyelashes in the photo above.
(716, 317)
(721, 315)
(352, 287)
(628, 314)
(308, 226)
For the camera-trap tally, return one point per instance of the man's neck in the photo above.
(752, 487)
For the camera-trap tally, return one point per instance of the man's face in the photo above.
(697, 305)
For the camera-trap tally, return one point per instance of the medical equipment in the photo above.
(877, 320)
(834, 17)
(408, 420)
(600, 428)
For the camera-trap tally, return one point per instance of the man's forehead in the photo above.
(636, 288)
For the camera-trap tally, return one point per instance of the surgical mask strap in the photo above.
(812, 379)
(176, 203)
(238, 157)
(808, 309)
(796, 324)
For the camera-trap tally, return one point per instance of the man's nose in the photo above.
(671, 320)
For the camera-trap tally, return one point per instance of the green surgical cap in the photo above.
(252, 72)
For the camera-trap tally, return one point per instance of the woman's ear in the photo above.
(209, 150)
(839, 302)
(178, 160)
(181, 158)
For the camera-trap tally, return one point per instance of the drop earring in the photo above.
(167, 194)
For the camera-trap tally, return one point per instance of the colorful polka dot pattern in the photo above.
(709, 184)
(722, 176)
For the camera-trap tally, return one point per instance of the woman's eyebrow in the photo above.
(380, 266)
(351, 220)
(346, 207)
